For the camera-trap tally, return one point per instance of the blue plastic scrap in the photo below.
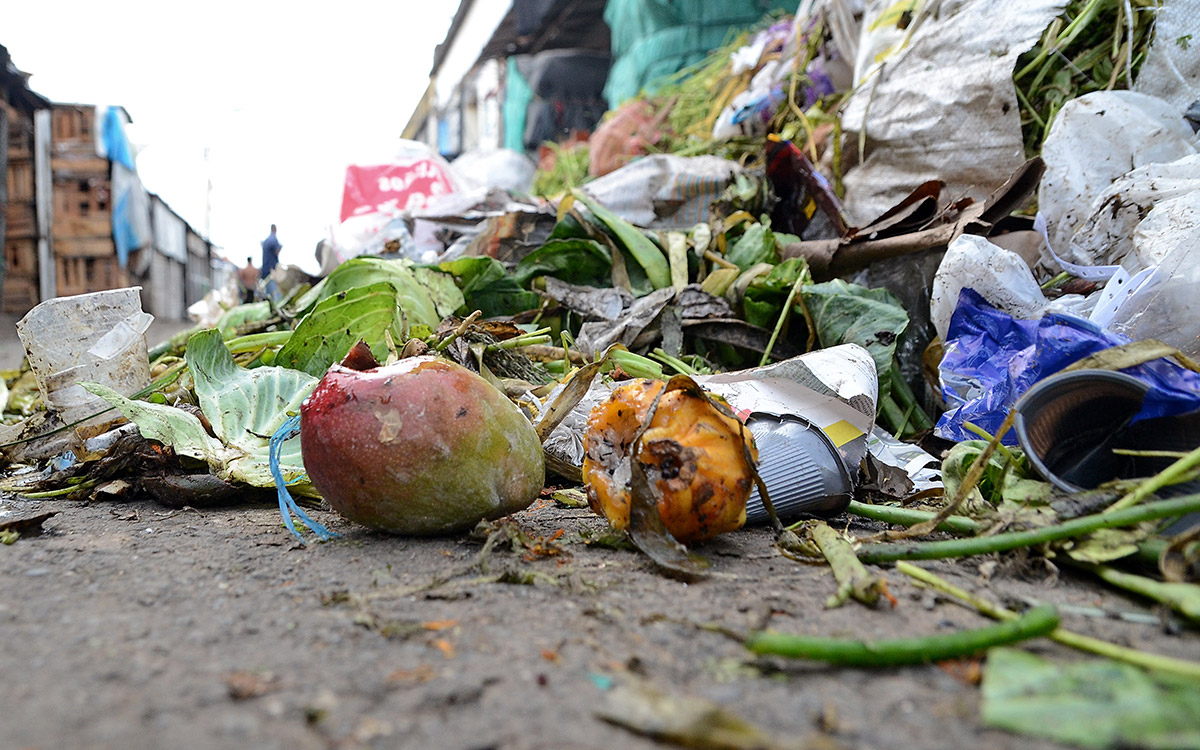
(287, 506)
(991, 359)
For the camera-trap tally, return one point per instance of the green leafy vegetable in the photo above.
(1097, 703)
(336, 323)
(413, 297)
(487, 287)
(236, 317)
(756, 245)
(847, 313)
(244, 407)
(766, 294)
(576, 261)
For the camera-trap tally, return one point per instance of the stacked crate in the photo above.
(85, 257)
(20, 236)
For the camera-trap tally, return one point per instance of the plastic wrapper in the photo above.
(991, 359)
(1172, 67)
(87, 338)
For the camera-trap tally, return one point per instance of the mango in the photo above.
(694, 454)
(422, 446)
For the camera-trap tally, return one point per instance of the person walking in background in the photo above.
(270, 253)
(248, 278)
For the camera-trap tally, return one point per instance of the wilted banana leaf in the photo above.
(486, 286)
(414, 297)
(244, 407)
(577, 261)
(685, 721)
(336, 323)
(1096, 703)
(847, 313)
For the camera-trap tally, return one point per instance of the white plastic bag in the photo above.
(1000, 276)
(1107, 234)
(1168, 309)
(1095, 140)
(664, 191)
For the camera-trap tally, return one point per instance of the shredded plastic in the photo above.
(287, 506)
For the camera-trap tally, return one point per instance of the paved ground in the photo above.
(132, 625)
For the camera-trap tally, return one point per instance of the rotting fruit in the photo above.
(422, 446)
(691, 451)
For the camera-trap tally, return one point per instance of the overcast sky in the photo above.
(283, 95)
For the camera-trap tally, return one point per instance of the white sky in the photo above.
(283, 95)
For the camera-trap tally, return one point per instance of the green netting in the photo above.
(655, 38)
(517, 96)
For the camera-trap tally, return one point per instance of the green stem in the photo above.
(1064, 40)
(853, 578)
(249, 343)
(636, 365)
(889, 410)
(1184, 598)
(889, 653)
(458, 331)
(784, 314)
(1065, 637)
(1004, 451)
(675, 363)
(61, 491)
(1076, 527)
(1059, 278)
(906, 398)
(912, 517)
(517, 342)
(1173, 474)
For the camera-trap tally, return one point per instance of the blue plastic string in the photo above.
(287, 506)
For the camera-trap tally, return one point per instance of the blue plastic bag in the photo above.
(991, 359)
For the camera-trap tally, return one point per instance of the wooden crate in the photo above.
(20, 134)
(20, 256)
(21, 184)
(20, 294)
(84, 247)
(22, 220)
(78, 163)
(70, 123)
(106, 273)
(71, 276)
(81, 197)
(78, 275)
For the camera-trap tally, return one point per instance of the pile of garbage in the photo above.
(925, 265)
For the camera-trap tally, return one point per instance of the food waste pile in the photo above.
(784, 373)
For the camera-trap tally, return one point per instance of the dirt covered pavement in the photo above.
(134, 625)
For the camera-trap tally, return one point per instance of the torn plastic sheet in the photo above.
(991, 359)
(922, 467)
(942, 105)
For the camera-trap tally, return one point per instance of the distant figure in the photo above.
(270, 253)
(248, 277)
